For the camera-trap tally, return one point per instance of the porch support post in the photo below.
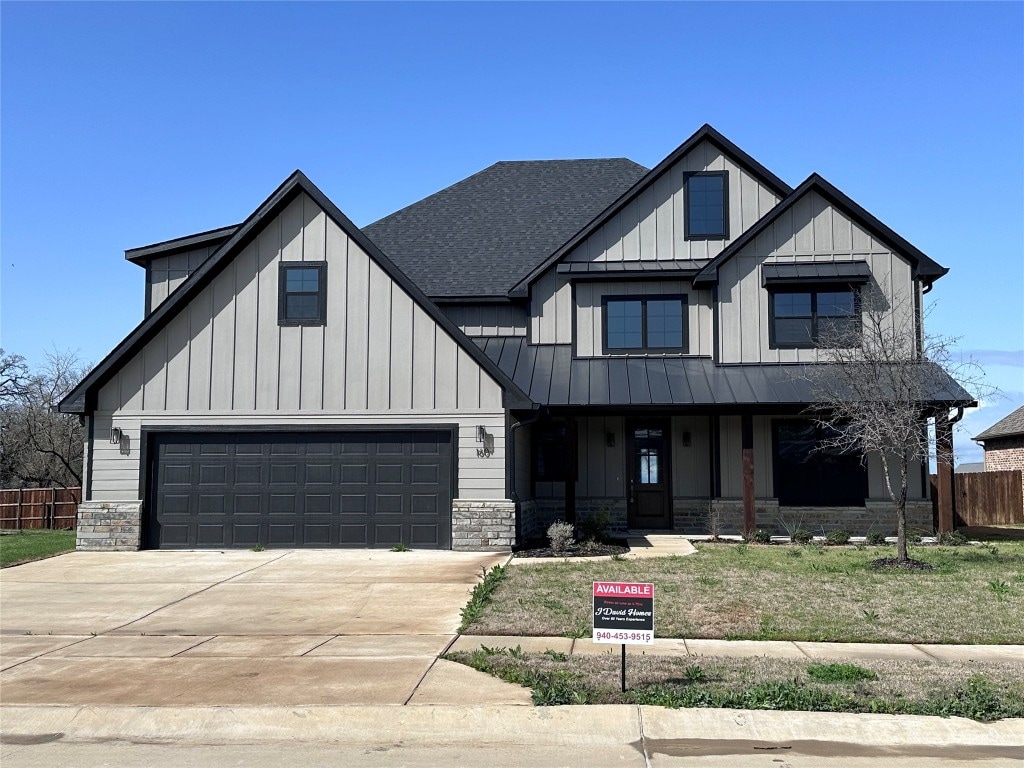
(573, 469)
(944, 470)
(749, 511)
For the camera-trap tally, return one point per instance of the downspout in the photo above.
(512, 467)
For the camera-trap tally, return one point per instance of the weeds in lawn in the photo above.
(794, 553)
(870, 615)
(481, 595)
(556, 655)
(400, 547)
(1001, 588)
(256, 548)
(839, 673)
(708, 581)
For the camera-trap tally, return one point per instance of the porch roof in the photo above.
(551, 376)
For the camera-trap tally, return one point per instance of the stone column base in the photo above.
(483, 525)
(109, 526)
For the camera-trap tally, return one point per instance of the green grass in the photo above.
(756, 592)
(981, 691)
(22, 546)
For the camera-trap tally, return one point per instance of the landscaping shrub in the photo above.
(561, 536)
(875, 539)
(760, 536)
(953, 539)
(801, 536)
(837, 538)
(594, 528)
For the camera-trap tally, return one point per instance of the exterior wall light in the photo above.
(482, 436)
(115, 436)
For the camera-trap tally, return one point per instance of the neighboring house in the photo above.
(541, 340)
(1003, 443)
(970, 468)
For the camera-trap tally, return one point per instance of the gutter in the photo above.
(512, 466)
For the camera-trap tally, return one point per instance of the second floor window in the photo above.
(802, 319)
(302, 296)
(645, 324)
(707, 205)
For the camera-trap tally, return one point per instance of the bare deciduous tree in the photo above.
(38, 446)
(875, 397)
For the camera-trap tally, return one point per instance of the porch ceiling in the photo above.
(551, 376)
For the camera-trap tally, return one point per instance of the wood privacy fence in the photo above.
(54, 508)
(987, 498)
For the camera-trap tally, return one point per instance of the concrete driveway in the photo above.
(240, 628)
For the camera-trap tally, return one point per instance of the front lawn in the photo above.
(964, 689)
(22, 546)
(975, 594)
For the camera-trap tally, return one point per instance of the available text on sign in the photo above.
(623, 613)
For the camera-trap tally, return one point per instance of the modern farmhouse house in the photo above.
(543, 340)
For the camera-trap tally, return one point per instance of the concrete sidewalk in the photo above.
(778, 649)
(626, 735)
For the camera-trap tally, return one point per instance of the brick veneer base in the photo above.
(483, 524)
(109, 526)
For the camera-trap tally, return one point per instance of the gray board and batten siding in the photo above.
(224, 361)
(649, 228)
(812, 230)
(488, 319)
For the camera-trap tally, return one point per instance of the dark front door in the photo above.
(649, 468)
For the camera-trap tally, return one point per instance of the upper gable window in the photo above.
(303, 292)
(707, 205)
(802, 319)
(645, 324)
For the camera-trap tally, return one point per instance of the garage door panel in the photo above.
(354, 489)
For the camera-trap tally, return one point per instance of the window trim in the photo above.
(813, 290)
(687, 235)
(321, 294)
(682, 298)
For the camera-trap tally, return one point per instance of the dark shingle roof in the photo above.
(480, 236)
(1008, 427)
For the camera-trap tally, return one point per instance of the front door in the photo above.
(647, 451)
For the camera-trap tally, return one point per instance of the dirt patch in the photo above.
(580, 550)
(732, 617)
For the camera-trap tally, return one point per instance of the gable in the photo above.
(632, 223)
(799, 224)
(651, 226)
(216, 343)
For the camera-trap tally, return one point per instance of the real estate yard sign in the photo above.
(623, 613)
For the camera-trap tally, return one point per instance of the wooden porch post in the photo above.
(749, 511)
(944, 470)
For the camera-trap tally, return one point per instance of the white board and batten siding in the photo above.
(811, 230)
(223, 360)
(649, 228)
(590, 322)
(165, 273)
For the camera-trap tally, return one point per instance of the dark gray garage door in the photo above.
(338, 489)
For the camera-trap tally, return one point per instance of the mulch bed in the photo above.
(610, 547)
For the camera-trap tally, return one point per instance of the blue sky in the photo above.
(125, 124)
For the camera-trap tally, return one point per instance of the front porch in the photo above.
(700, 473)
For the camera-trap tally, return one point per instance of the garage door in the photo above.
(339, 489)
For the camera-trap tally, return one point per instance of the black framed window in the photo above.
(645, 324)
(807, 475)
(802, 318)
(706, 195)
(302, 296)
(551, 452)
